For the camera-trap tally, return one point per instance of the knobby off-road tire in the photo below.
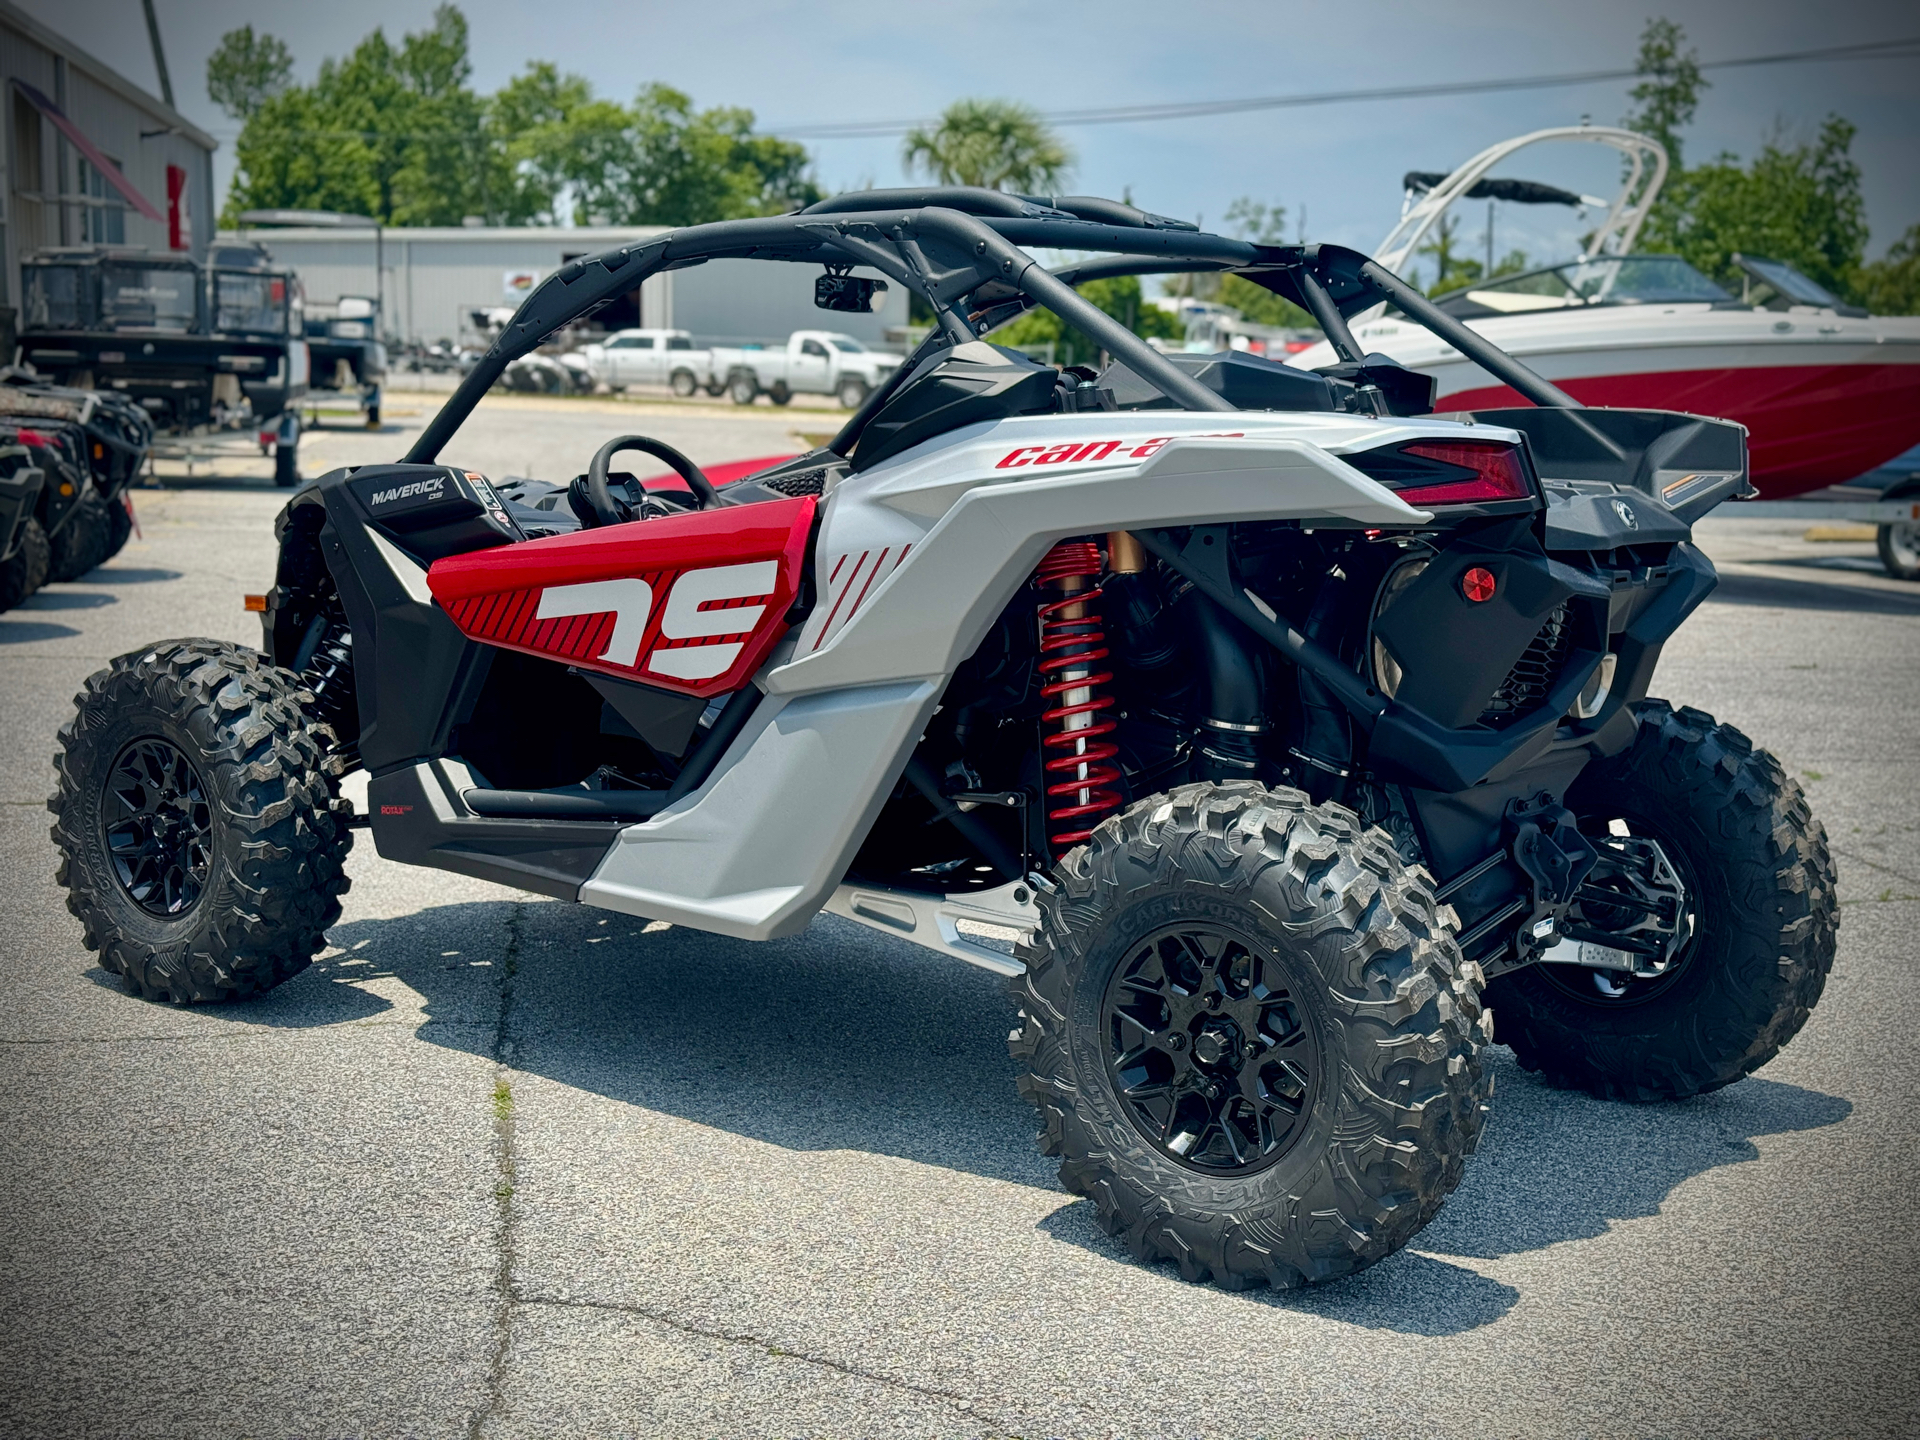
(1386, 1013)
(119, 527)
(82, 542)
(229, 735)
(25, 571)
(1761, 887)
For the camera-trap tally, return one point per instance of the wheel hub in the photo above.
(158, 826)
(1209, 1049)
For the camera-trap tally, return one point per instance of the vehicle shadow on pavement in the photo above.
(843, 1039)
(19, 632)
(1784, 592)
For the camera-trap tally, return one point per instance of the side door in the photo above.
(809, 369)
(642, 362)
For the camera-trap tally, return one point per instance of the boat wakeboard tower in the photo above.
(1826, 391)
(1285, 725)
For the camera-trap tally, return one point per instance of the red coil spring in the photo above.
(1070, 648)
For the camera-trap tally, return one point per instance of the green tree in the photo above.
(398, 132)
(247, 70)
(1121, 298)
(395, 132)
(1798, 203)
(1668, 91)
(1891, 286)
(999, 144)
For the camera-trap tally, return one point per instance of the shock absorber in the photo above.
(1079, 776)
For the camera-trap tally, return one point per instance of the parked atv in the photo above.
(1288, 725)
(87, 446)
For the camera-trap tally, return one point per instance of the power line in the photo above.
(1908, 48)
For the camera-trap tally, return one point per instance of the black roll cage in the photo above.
(963, 251)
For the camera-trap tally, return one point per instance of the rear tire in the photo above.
(1760, 884)
(201, 834)
(1337, 976)
(286, 466)
(743, 389)
(1899, 545)
(25, 571)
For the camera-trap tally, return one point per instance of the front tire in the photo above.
(201, 836)
(1251, 1037)
(852, 394)
(1760, 882)
(82, 542)
(25, 571)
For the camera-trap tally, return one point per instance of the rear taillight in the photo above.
(1426, 473)
(1497, 473)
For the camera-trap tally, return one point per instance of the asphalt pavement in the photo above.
(501, 1166)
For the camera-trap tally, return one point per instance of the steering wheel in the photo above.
(601, 498)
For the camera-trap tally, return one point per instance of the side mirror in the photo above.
(847, 292)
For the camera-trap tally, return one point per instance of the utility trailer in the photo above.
(1895, 516)
(205, 350)
(347, 359)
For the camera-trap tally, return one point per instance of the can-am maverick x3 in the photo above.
(1277, 717)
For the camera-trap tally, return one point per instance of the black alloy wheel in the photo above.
(158, 826)
(1208, 1050)
(1610, 989)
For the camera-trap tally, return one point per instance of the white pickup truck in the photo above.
(653, 357)
(814, 362)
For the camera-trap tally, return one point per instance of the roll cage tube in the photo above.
(980, 251)
(948, 255)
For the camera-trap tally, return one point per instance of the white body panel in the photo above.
(762, 845)
(1573, 344)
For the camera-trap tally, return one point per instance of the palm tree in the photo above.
(1000, 144)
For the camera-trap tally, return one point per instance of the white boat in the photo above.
(1826, 391)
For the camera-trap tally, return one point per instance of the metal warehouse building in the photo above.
(430, 280)
(91, 158)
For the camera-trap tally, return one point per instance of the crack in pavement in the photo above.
(1873, 864)
(506, 1293)
(505, 1174)
(744, 1337)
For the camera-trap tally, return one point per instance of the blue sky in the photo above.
(826, 60)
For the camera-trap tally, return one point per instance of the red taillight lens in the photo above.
(1499, 475)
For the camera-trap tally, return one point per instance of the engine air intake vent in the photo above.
(806, 482)
(1526, 686)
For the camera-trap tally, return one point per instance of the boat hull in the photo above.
(1808, 426)
(1825, 398)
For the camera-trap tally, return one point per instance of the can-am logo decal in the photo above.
(1079, 452)
(431, 488)
(702, 631)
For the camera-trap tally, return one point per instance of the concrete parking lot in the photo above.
(499, 1166)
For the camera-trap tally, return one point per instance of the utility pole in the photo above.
(159, 55)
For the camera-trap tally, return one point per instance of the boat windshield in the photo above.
(1607, 280)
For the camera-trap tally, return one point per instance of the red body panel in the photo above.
(1810, 425)
(653, 601)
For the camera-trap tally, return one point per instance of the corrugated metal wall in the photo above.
(107, 113)
(433, 277)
